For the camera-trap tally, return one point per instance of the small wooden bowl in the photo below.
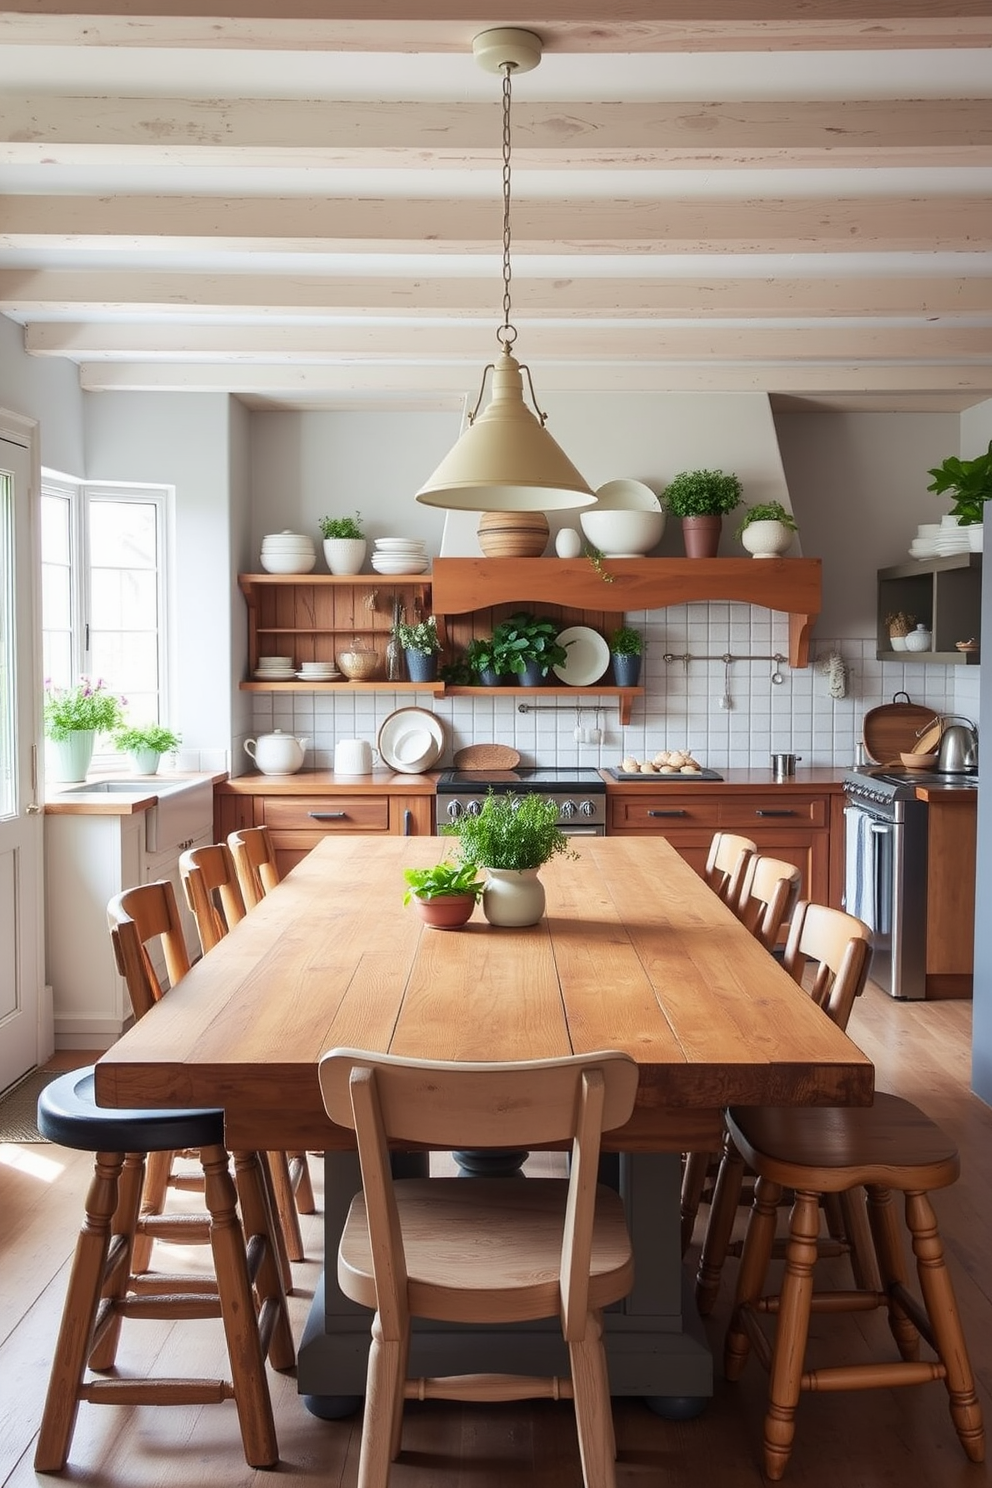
(918, 761)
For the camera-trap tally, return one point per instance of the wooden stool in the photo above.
(823, 1150)
(103, 1290)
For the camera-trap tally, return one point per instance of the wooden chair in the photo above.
(816, 1151)
(255, 863)
(763, 897)
(726, 864)
(828, 952)
(483, 1250)
(106, 1286)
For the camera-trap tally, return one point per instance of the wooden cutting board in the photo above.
(487, 757)
(895, 728)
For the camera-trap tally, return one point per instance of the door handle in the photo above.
(328, 815)
(408, 823)
(673, 812)
(760, 812)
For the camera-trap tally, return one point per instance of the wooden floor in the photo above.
(899, 1439)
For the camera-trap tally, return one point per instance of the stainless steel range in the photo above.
(579, 793)
(885, 869)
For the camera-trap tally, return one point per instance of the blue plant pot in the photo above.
(532, 675)
(421, 668)
(489, 678)
(626, 670)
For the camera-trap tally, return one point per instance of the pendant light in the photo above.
(506, 460)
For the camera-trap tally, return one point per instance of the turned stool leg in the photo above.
(259, 1219)
(282, 1187)
(694, 1172)
(117, 1275)
(888, 1248)
(791, 1332)
(941, 1306)
(158, 1168)
(723, 1212)
(299, 1171)
(752, 1272)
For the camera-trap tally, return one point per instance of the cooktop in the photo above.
(525, 777)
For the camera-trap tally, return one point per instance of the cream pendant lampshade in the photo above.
(506, 460)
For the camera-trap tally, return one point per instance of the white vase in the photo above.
(345, 555)
(919, 639)
(513, 896)
(71, 756)
(145, 761)
(568, 543)
(766, 539)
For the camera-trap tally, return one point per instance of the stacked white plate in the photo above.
(288, 553)
(399, 555)
(951, 538)
(275, 669)
(319, 671)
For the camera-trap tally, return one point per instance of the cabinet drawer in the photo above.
(329, 813)
(659, 811)
(741, 814)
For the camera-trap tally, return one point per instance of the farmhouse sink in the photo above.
(179, 811)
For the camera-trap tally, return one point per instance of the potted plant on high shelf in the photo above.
(702, 498)
(970, 484)
(146, 746)
(626, 650)
(73, 718)
(512, 837)
(480, 665)
(445, 895)
(528, 646)
(767, 530)
(344, 543)
(421, 644)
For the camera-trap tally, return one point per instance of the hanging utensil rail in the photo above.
(725, 656)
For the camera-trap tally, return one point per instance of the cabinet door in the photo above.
(412, 816)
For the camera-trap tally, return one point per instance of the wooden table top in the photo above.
(635, 952)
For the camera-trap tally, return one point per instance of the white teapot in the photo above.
(277, 753)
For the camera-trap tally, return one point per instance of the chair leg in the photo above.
(752, 1272)
(945, 1321)
(888, 1248)
(857, 1231)
(384, 1382)
(158, 1170)
(720, 1225)
(251, 1393)
(299, 1172)
(259, 1220)
(697, 1165)
(791, 1333)
(282, 1185)
(593, 1412)
(79, 1315)
(124, 1232)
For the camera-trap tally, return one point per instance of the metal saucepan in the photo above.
(784, 765)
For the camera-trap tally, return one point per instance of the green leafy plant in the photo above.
(595, 556)
(703, 493)
(88, 705)
(443, 880)
(969, 482)
(768, 511)
(625, 641)
(422, 637)
(347, 527)
(512, 832)
(527, 638)
(480, 655)
(129, 739)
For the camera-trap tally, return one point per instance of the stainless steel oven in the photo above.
(580, 794)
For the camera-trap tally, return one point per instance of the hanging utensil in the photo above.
(776, 677)
(726, 702)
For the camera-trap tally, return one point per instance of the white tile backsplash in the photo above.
(680, 707)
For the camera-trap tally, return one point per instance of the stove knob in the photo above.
(455, 809)
(567, 809)
(586, 808)
(474, 808)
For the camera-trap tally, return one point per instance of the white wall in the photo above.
(46, 389)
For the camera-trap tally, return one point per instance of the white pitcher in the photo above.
(277, 753)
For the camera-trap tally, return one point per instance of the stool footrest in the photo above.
(873, 1376)
(161, 1392)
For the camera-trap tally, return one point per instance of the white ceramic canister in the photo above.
(354, 757)
(568, 543)
(277, 753)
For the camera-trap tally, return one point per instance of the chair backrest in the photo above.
(442, 1105)
(769, 895)
(726, 865)
(210, 883)
(838, 948)
(254, 862)
(138, 917)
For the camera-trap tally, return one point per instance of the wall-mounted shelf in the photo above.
(945, 595)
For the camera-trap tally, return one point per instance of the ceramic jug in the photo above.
(277, 753)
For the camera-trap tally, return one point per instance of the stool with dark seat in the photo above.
(103, 1290)
(823, 1150)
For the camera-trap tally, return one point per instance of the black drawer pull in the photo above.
(677, 812)
(408, 823)
(328, 815)
(760, 812)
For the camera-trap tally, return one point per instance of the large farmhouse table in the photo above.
(635, 952)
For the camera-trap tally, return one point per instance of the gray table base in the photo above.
(655, 1343)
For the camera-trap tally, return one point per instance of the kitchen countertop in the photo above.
(828, 778)
(60, 802)
(326, 782)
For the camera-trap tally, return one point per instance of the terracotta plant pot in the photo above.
(701, 536)
(447, 912)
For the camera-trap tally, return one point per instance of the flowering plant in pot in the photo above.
(73, 718)
(446, 894)
(344, 543)
(421, 643)
(512, 837)
(702, 498)
(626, 650)
(146, 746)
(527, 647)
(766, 529)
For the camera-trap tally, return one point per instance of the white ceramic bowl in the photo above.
(622, 534)
(289, 543)
(279, 662)
(288, 563)
(626, 495)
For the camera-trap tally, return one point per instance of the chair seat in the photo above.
(69, 1115)
(459, 1233)
(832, 1148)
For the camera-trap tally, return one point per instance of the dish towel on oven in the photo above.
(859, 876)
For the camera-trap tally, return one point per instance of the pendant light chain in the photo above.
(507, 333)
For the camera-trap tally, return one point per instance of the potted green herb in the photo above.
(480, 665)
(969, 483)
(420, 643)
(626, 650)
(73, 718)
(146, 746)
(344, 543)
(445, 895)
(528, 647)
(766, 530)
(512, 837)
(702, 498)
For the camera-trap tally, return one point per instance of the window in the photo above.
(103, 591)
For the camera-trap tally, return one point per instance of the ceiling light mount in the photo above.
(507, 47)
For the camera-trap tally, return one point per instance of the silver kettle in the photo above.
(957, 753)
